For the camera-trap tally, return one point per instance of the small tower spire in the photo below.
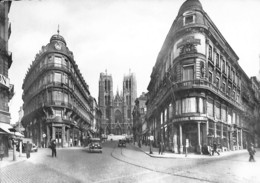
(58, 31)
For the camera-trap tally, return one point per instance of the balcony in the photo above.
(206, 85)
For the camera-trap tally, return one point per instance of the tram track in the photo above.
(175, 173)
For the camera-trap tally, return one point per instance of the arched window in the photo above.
(118, 116)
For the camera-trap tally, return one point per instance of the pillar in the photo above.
(231, 140)
(63, 140)
(199, 139)
(215, 130)
(241, 136)
(73, 133)
(175, 143)
(68, 137)
(40, 137)
(48, 136)
(181, 145)
(237, 140)
(53, 132)
(221, 136)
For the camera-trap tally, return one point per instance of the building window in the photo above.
(217, 111)
(189, 105)
(57, 77)
(188, 73)
(200, 105)
(223, 66)
(178, 107)
(234, 118)
(210, 52)
(129, 113)
(224, 113)
(57, 61)
(188, 19)
(58, 112)
(217, 60)
(217, 82)
(229, 116)
(224, 87)
(210, 107)
(210, 77)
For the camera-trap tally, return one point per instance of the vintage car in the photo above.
(95, 145)
(122, 143)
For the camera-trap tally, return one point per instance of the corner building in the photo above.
(57, 102)
(6, 89)
(195, 95)
(117, 110)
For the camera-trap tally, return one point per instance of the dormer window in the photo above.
(189, 18)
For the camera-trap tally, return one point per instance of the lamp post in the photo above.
(150, 141)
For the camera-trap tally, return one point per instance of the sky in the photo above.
(120, 36)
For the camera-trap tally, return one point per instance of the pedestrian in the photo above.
(214, 149)
(160, 147)
(28, 150)
(2, 150)
(251, 151)
(53, 148)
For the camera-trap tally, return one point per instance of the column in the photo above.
(241, 136)
(48, 136)
(40, 131)
(73, 133)
(237, 140)
(175, 143)
(63, 136)
(215, 130)
(199, 141)
(53, 132)
(181, 145)
(221, 136)
(68, 137)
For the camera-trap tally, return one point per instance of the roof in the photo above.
(190, 5)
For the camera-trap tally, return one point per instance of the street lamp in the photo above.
(150, 141)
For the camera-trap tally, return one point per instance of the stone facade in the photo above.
(116, 110)
(6, 89)
(198, 93)
(57, 102)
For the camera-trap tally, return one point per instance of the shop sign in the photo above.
(4, 80)
(197, 118)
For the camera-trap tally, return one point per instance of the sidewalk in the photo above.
(168, 154)
(9, 160)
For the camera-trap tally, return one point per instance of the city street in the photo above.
(128, 165)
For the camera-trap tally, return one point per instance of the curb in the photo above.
(193, 156)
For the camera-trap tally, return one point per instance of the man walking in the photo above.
(251, 151)
(28, 150)
(53, 148)
(214, 149)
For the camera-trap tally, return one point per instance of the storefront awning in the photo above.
(5, 128)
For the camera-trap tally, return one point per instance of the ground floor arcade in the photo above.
(194, 134)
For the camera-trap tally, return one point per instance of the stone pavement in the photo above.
(9, 160)
(168, 154)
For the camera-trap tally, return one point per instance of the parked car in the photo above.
(122, 143)
(95, 145)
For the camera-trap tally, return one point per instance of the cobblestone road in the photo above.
(128, 165)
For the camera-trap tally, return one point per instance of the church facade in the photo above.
(117, 109)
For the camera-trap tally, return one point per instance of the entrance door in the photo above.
(58, 136)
